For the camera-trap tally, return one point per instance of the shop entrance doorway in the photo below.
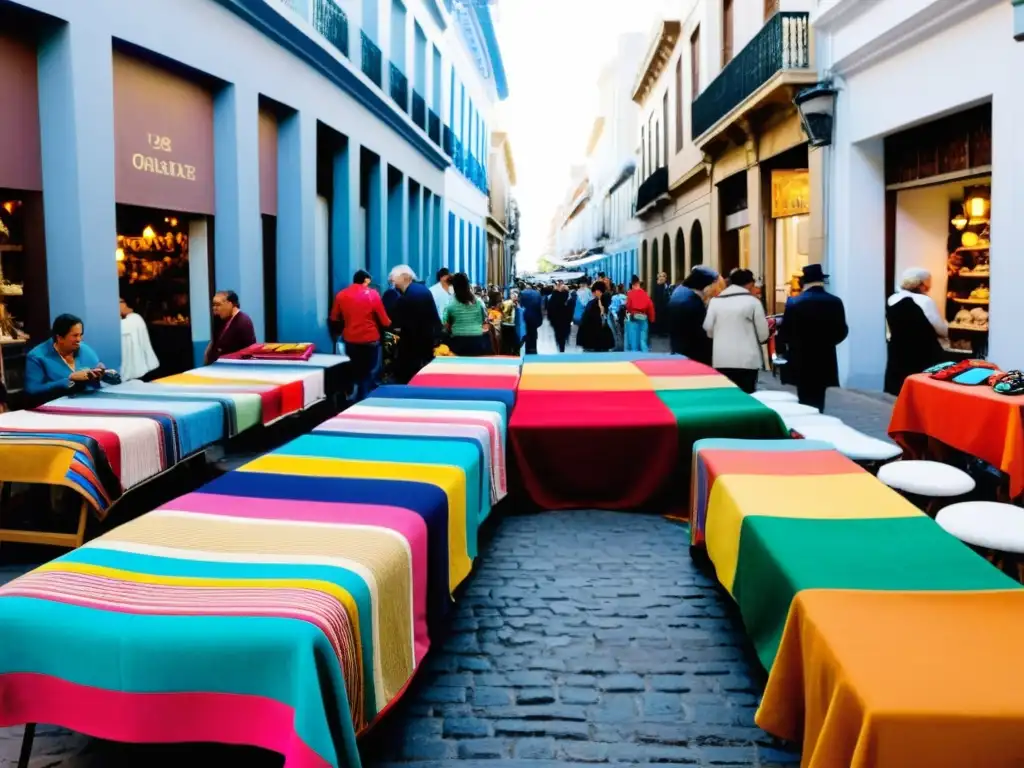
(155, 253)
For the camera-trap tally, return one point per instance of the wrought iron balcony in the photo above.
(653, 190)
(331, 22)
(399, 87)
(782, 44)
(419, 110)
(448, 142)
(434, 127)
(371, 63)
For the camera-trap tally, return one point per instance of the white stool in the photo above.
(853, 444)
(989, 525)
(808, 420)
(793, 409)
(930, 479)
(985, 524)
(774, 396)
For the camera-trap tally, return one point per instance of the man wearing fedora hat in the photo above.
(813, 325)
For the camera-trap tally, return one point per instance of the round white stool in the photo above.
(926, 478)
(774, 396)
(793, 409)
(809, 420)
(853, 444)
(985, 524)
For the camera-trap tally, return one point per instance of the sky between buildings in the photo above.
(553, 51)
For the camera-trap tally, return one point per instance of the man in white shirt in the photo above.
(137, 355)
(442, 290)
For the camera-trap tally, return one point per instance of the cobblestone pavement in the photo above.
(582, 637)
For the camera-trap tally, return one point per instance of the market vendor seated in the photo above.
(64, 364)
(233, 329)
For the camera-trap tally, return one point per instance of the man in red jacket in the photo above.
(639, 317)
(358, 316)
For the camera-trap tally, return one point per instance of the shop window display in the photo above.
(13, 337)
(968, 272)
(153, 271)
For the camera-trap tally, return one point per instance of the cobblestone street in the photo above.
(582, 637)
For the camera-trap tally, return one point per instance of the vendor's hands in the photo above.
(82, 376)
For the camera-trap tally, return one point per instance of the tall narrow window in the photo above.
(651, 145)
(727, 31)
(695, 63)
(664, 122)
(770, 8)
(679, 104)
(657, 151)
(643, 152)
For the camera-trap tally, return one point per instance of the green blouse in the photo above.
(465, 319)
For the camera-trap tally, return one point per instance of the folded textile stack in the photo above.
(297, 352)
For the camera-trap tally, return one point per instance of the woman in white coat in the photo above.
(737, 327)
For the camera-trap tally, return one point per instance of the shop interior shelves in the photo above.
(975, 328)
(980, 302)
(10, 249)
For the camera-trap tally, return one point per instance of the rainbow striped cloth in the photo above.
(809, 544)
(289, 602)
(641, 411)
(493, 378)
(781, 516)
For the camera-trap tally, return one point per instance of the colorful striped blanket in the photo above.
(868, 582)
(646, 411)
(289, 602)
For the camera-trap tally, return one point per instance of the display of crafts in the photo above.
(978, 372)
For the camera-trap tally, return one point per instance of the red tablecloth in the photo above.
(975, 420)
(604, 450)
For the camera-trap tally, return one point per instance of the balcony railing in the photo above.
(371, 62)
(654, 187)
(419, 110)
(434, 127)
(448, 142)
(399, 87)
(331, 22)
(782, 43)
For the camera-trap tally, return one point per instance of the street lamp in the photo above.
(817, 106)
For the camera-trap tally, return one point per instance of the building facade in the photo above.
(503, 212)
(162, 151)
(726, 177)
(598, 231)
(920, 173)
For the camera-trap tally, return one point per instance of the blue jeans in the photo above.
(636, 334)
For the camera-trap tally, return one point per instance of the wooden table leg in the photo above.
(49, 538)
(26, 745)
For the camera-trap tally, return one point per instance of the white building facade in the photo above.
(598, 231)
(288, 142)
(923, 168)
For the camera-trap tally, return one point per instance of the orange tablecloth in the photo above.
(975, 420)
(900, 679)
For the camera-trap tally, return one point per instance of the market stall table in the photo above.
(974, 420)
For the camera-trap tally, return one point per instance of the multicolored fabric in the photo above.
(649, 408)
(289, 352)
(794, 529)
(289, 602)
(492, 380)
(447, 390)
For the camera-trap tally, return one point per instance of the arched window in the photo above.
(696, 244)
(642, 271)
(666, 256)
(652, 274)
(679, 258)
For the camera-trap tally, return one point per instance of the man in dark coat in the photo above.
(813, 325)
(594, 334)
(560, 309)
(414, 315)
(533, 314)
(686, 312)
